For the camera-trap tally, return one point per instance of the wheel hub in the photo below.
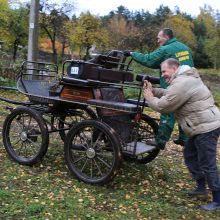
(23, 136)
(90, 153)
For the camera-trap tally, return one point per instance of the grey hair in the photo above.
(171, 62)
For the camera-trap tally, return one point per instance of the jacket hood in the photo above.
(182, 69)
(187, 71)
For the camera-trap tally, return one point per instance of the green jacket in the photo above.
(171, 49)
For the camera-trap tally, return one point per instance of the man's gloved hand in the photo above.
(127, 53)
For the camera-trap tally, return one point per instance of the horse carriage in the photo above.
(87, 106)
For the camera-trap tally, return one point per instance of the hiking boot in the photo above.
(211, 206)
(199, 194)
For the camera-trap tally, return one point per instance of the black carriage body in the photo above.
(99, 83)
(82, 83)
(86, 90)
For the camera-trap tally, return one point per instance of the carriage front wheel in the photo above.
(25, 135)
(92, 152)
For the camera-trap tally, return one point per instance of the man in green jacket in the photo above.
(170, 47)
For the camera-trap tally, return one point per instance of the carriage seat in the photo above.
(90, 71)
(106, 61)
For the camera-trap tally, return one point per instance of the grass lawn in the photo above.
(48, 191)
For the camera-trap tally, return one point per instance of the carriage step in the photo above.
(140, 148)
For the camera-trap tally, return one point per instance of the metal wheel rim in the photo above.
(91, 153)
(24, 136)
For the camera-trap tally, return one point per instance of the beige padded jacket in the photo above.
(190, 101)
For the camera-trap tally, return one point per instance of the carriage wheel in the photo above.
(93, 152)
(25, 136)
(74, 116)
(147, 131)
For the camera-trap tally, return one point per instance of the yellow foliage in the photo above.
(212, 36)
(182, 29)
(119, 29)
(88, 32)
(4, 17)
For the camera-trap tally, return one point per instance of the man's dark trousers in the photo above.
(200, 158)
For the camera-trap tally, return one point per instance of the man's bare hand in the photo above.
(148, 95)
(147, 84)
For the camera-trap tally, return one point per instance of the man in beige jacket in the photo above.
(196, 113)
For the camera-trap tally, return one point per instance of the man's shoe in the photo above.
(179, 142)
(211, 206)
(200, 194)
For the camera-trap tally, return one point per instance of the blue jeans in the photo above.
(200, 158)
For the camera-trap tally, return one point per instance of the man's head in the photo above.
(168, 68)
(164, 35)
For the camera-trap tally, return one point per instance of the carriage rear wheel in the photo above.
(25, 135)
(72, 117)
(93, 152)
(147, 131)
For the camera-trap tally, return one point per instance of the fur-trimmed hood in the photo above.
(185, 70)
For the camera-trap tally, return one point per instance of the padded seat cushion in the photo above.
(86, 71)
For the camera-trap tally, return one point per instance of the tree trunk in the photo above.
(54, 51)
(87, 56)
(62, 52)
(15, 51)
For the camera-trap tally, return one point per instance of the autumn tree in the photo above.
(18, 24)
(13, 27)
(145, 22)
(121, 10)
(211, 38)
(201, 59)
(117, 28)
(135, 30)
(122, 33)
(161, 14)
(183, 29)
(4, 21)
(88, 32)
(53, 18)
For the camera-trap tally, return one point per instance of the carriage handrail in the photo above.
(122, 64)
(24, 64)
